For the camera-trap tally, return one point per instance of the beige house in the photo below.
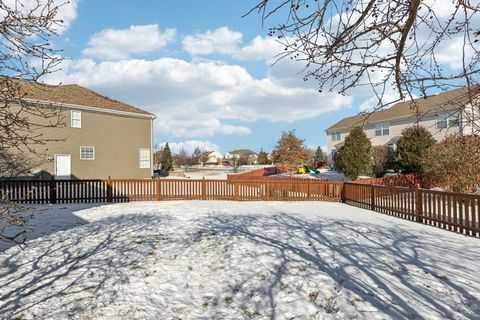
(214, 157)
(100, 137)
(443, 115)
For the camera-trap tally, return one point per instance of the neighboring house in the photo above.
(214, 157)
(101, 137)
(443, 115)
(229, 156)
(247, 154)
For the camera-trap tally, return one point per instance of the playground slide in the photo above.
(312, 169)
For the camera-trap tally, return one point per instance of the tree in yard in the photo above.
(263, 158)
(241, 160)
(454, 164)
(397, 49)
(205, 155)
(380, 159)
(185, 160)
(26, 28)
(412, 147)
(166, 161)
(290, 152)
(197, 154)
(157, 157)
(319, 155)
(355, 156)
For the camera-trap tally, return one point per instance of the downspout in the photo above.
(151, 147)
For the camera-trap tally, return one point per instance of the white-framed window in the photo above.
(336, 136)
(447, 120)
(382, 129)
(76, 119)
(87, 153)
(144, 155)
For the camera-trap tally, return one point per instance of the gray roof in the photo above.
(446, 101)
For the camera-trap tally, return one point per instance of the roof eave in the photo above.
(97, 109)
(334, 128)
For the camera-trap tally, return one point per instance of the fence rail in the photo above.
(124, 190)
(448, 210)
(452, 211)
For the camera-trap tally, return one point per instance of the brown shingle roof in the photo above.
(73, 94)
(445, 101)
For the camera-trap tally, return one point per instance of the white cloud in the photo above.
(68, 13)
(190, 145)
(221, 40)
(199, 99)
(260, 48)
(227, 42)
(116, 44)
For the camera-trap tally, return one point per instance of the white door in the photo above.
(63, 167)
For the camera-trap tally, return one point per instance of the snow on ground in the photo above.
(237, 260)
(331, 175)
(211, 174)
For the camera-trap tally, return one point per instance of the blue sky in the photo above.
(205, 71)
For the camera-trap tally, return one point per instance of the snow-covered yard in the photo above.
(237, 260)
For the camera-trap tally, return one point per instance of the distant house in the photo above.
(214, 158)
(250, 156)
(443, 115)
(101, 137)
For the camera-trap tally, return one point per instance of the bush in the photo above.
(380, 155)
(355, 157)
(454, 164)
(412, 147)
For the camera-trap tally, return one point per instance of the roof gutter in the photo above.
(102, 110)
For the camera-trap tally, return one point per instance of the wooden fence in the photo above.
(448, 210)
(452, 211)
(123, 190)
(258, 173)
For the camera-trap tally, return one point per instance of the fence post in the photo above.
(52, 190)
(267, 189)
(418, 204)
(204, 189)
(372, 199)
(109, 190)
(308, 190)
(343, 195)
(158, 189)
(235, 190)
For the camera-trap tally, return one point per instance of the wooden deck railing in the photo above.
(448, 210)
(124, 190)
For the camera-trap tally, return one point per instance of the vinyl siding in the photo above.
(396, 127)
(117, 140)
